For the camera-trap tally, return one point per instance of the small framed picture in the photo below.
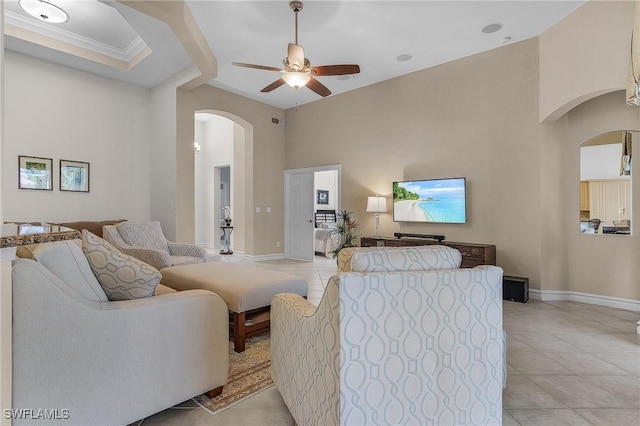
(35, 173)
(322, 197)
(74, 176)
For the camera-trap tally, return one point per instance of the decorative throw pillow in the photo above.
(143, 234)
(122, 277)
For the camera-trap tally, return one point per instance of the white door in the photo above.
(299, 226)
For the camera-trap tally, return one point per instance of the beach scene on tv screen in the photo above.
(440, 200)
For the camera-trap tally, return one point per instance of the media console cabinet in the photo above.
(472, 254)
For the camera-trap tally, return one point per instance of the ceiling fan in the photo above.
(297, 71)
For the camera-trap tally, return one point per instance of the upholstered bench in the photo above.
(247, 290)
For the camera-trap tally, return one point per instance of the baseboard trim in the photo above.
(209, 246)
(254, 258)
(593, 299)
(263, 257)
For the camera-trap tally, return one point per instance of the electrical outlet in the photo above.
(277, 243)
(257, 209)
(268, 209)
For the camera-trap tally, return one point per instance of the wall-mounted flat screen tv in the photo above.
(430, 201)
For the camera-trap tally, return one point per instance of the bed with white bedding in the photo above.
(325, 238)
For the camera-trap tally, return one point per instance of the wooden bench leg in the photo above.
(215, 392)
(239, 331)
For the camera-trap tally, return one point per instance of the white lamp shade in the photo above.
(44, 11)
(376, 204)
(296, 79)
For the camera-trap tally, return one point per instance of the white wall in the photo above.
(215, 136)
(600, 161)
(328, 181)
(5, 269)
(57, 112)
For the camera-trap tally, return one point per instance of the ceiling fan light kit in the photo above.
(296, 79)
(44, 11)
(297, 71)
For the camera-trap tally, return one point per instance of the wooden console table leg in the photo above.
(239, 331)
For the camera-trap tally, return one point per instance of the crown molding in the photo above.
(126, 55)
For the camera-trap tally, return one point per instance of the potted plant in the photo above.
(346, 229)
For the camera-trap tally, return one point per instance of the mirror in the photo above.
(605, 184)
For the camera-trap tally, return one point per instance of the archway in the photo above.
(223, 139)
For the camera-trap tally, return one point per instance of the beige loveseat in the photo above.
(394, 347)
(108, 362)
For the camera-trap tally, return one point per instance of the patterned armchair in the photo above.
(146, 242)
(403, 347)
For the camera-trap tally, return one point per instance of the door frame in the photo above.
(217, 202)
(287, 197)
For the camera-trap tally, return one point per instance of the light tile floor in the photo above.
(568, 364)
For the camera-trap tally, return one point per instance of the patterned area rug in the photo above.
(249, 372)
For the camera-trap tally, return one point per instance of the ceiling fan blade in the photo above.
(318, 87)
(258, 67)
(335, 70)
(295, 56)
(279, 82)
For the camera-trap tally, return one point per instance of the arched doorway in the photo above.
(220, 177)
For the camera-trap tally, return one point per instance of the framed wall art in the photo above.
(74, 176)
(35, 173)
(322, 197)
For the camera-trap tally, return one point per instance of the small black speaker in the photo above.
(515, 288)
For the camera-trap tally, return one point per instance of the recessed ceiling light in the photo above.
(404, 57)
(492, 28)
(343, 77)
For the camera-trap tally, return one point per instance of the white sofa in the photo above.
(403, 347)
(108, 362)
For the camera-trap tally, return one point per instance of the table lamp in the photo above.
(377, 205)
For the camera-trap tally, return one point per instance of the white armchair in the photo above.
(146, 242)
(408, 347)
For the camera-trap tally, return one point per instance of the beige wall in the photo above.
(264, 164)
(553, 208)
(583, 56)
(599, 264)
(162, 152)
(61, 113)
(475, 117)
(162, 157)
(522, 176)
